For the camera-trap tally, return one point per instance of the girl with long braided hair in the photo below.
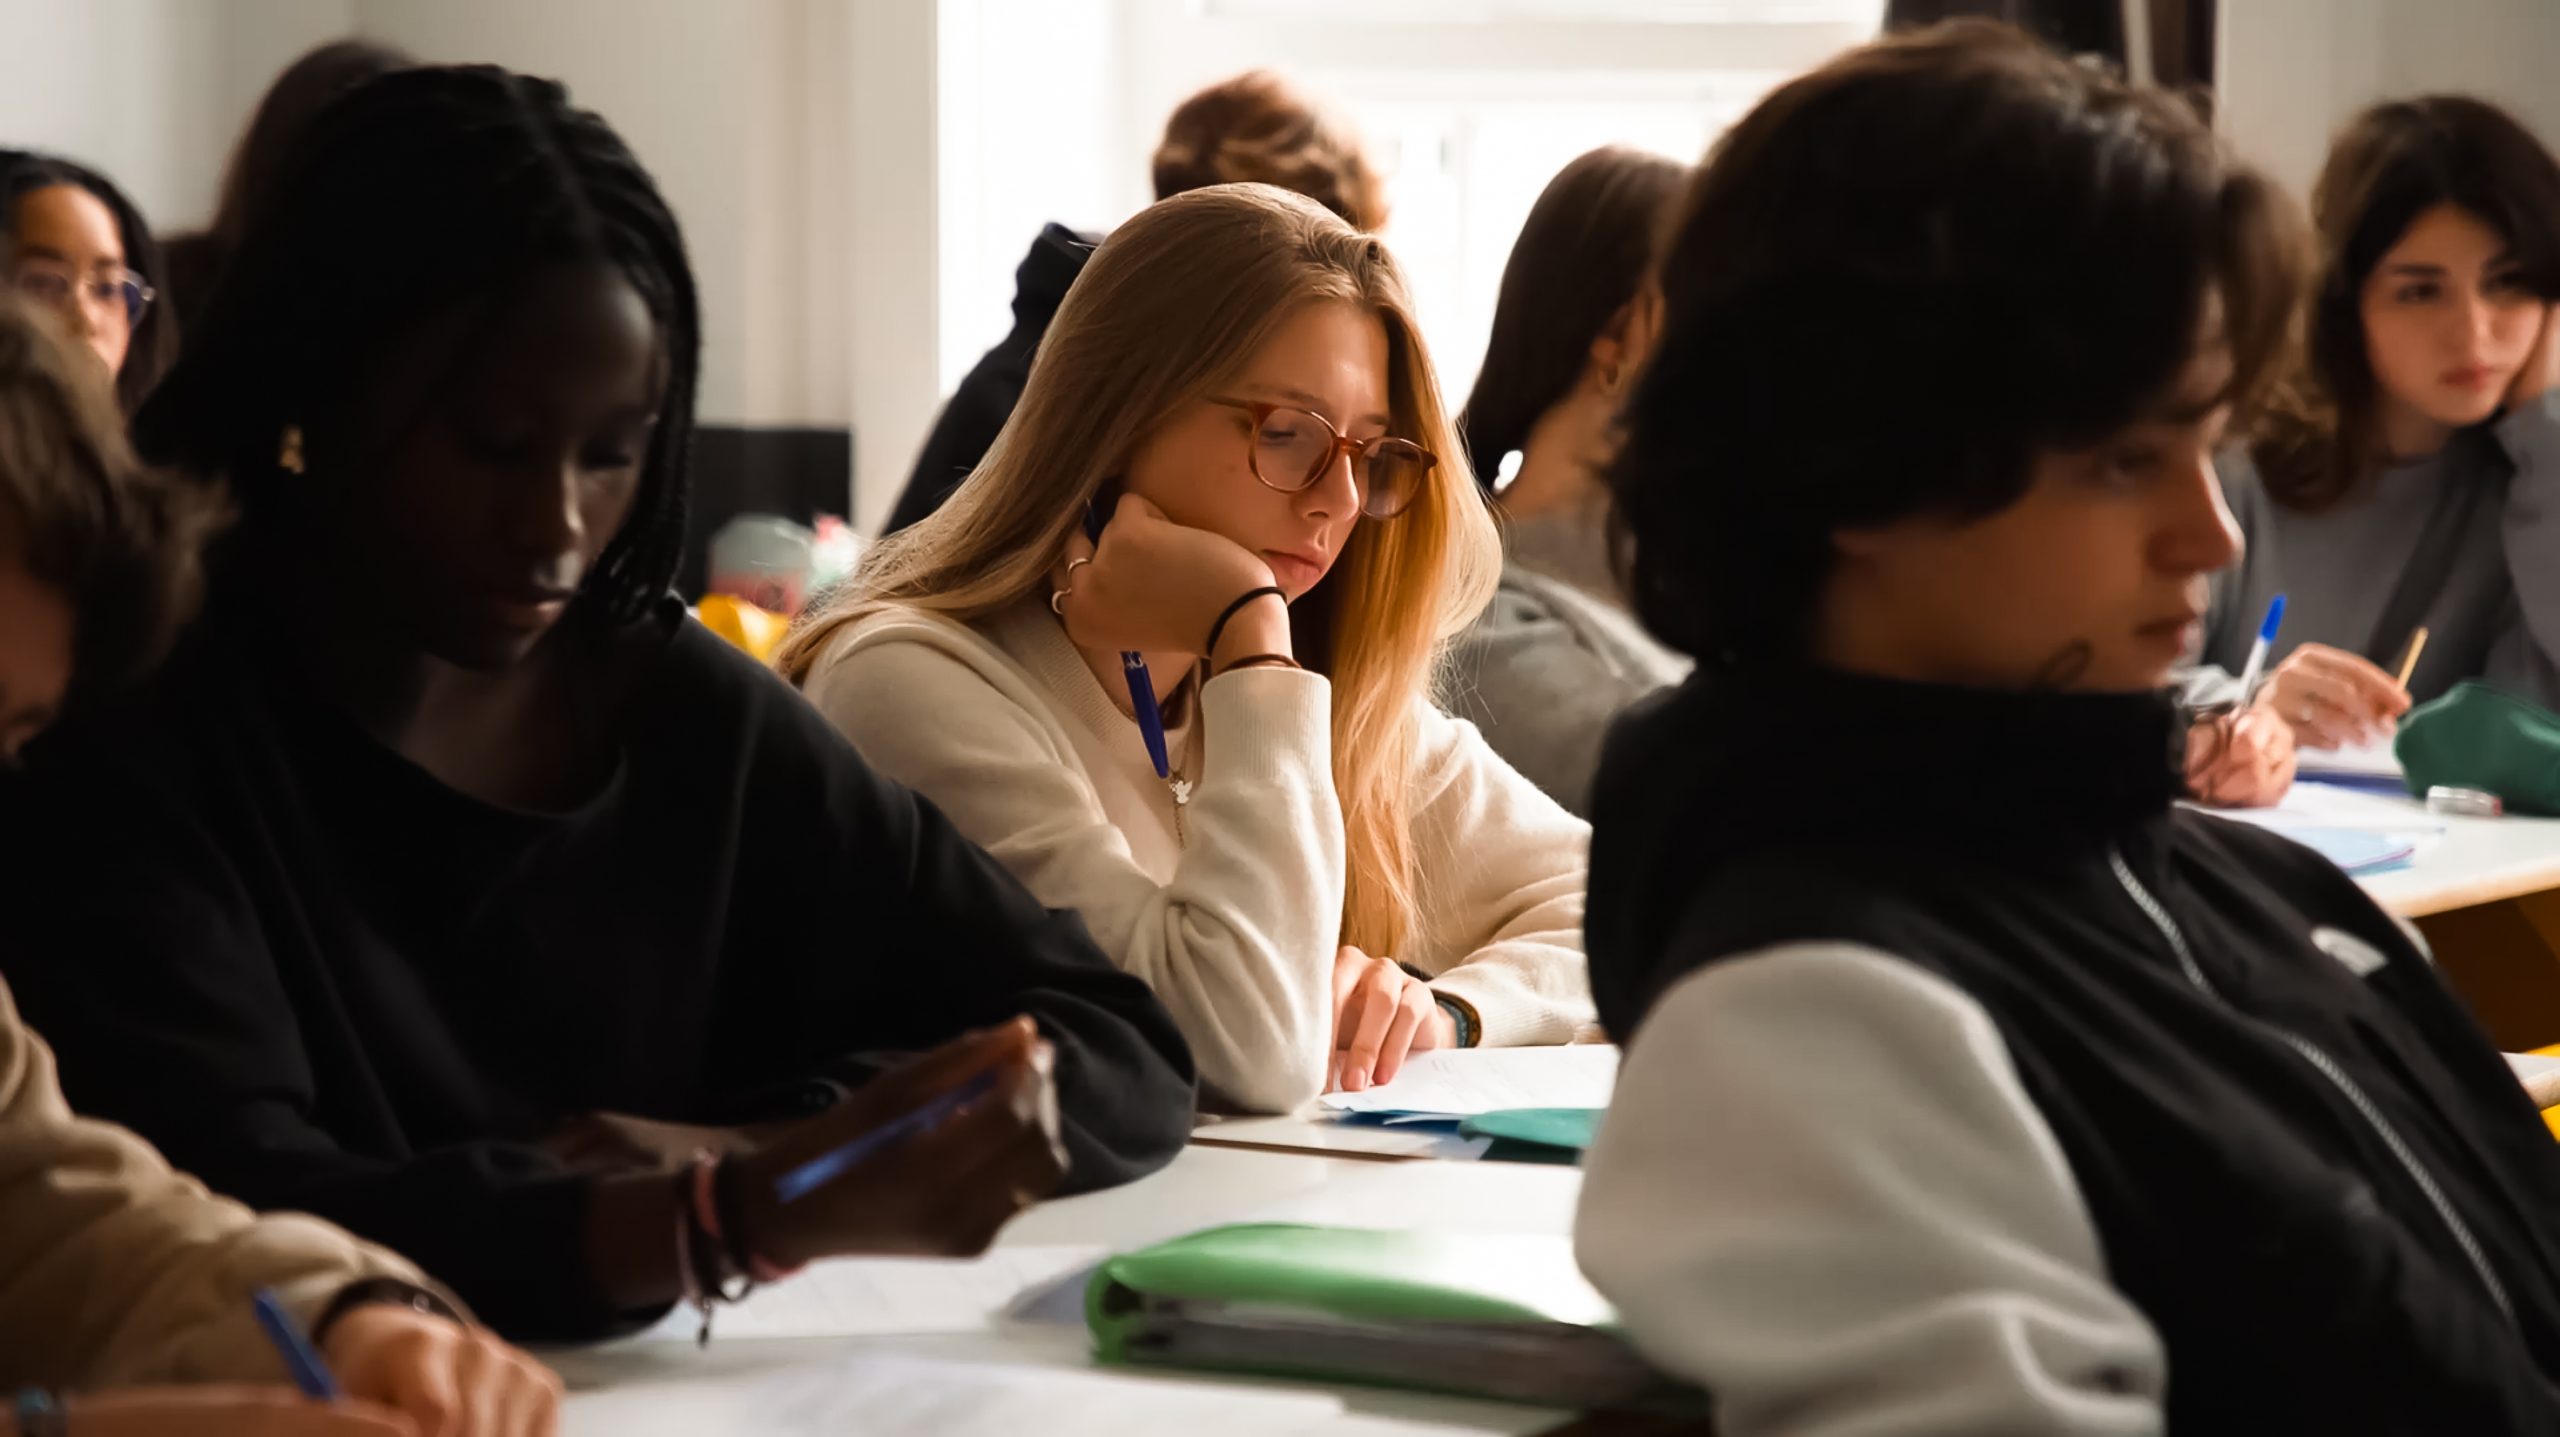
(450, 882)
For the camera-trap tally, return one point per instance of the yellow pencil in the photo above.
(2417, 646)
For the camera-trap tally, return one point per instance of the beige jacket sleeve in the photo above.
(1502, 869)
(116, 1271)
(1239, 945)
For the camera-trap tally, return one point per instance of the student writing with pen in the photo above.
(2403, 478)
(125, 1285)
(448, 882)
(1973, 1083)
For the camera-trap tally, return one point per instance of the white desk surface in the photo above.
(2460, 862)
(2477, 861)
(636, 1389)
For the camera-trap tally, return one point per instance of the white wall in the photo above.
(1053, 108)
(714, 99)
(888, 245)
(743, 111)
(117, 83)
(2295, 70)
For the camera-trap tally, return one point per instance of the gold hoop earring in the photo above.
(289, 452)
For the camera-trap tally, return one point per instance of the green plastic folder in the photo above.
(1503, 1317)
(1535, 1135)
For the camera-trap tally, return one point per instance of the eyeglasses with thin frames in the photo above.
(1293, 448)
(117, 292)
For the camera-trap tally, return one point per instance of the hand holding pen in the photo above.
(1155, 587)
(930, 1159)
(2334, 699)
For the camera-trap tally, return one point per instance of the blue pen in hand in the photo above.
(310, 1372)
(827, 1167)
(1142, 685)
(2258, 651)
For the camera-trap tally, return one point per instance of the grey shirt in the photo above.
(1551, 661)
(2497, 615)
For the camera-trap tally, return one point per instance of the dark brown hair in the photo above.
(1258, 127)
(429, 191)
(2393, 163)
(305, 88)
(122, 545)
(1896, 282)
(154, 345)
(1580, 259)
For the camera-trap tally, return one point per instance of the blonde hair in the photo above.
(1171, 308)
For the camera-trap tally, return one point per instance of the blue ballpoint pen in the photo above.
(1142, 685)
(2258, 651)
(310, 1372)
(828, 1166)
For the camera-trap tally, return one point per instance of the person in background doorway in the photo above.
(194, 260)
(1556, 656)
(71, 242)
(1255, 127)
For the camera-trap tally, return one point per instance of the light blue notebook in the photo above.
(2360, 851)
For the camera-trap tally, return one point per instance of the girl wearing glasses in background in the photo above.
(1319, 871)
(74, 245)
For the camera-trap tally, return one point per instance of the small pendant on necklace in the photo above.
(1181, 790)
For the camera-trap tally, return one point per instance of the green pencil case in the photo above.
(2479, 737)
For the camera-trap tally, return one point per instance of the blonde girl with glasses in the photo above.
(1211, 730)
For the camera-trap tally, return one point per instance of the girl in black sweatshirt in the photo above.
(1972, 1087)
(451, 883)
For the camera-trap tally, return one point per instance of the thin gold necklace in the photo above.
(1178, 783)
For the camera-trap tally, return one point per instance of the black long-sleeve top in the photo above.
(323, 980)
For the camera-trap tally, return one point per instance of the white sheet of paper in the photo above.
(1462, 1082)
(2367, 760)
(1321, 1134)
(881, 1297)
(2316, 805)
(880, 1395)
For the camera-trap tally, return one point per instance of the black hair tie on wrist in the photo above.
(381, 1292)
(1247, 597)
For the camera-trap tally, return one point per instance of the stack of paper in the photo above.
(885, 1297)
(2372, 766)
(2363, 832)
(1448, 1085)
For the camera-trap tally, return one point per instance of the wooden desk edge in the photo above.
(2473, 893)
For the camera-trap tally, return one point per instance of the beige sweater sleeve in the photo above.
(116, 1271)
(1502, 869)
(1239, 945)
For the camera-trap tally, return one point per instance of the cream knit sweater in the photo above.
(1235, 919)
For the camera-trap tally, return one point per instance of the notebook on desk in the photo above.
(1451, 1085)
(2363, 832)
(1508, 1317)
(2372, 767)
